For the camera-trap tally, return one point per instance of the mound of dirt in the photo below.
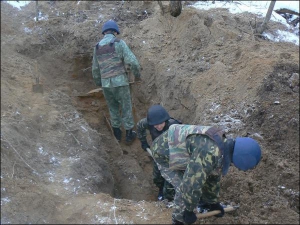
(59, 160)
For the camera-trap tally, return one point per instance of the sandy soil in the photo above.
(59, 160)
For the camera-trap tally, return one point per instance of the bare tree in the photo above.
(175, 8)
(263, 26)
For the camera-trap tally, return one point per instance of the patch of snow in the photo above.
(67, 180)
(259, 8)
(41, 151)
(27, 30)
(18, 4)
(4, 200)
(283, 36)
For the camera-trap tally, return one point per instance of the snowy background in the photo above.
(259, 8)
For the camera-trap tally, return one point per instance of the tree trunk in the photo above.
(175, 8)
(37, 10)
(261, 29)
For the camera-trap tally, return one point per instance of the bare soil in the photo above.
(59, 160)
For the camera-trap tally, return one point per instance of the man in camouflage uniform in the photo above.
(193, 158)
(110, 57)
(157, 122)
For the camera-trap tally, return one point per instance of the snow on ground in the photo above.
(18, 4)
(259, 8)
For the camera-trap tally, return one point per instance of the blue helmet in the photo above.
(246, 153)
(110, 25)
(157, 115)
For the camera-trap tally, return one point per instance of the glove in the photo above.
(217, 206)
(189, 217)
(144, 145)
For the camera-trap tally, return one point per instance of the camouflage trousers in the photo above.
(119, 98)
(160, 182)
(205, 189)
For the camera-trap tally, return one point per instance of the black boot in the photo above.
(160, 196)
(117, 133)
(174, 221)
(130, 136)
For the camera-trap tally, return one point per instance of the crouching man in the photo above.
(192, 158)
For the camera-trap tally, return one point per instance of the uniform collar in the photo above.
(227, 155)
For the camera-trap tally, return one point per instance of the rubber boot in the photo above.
(117, 133)
(130, 136)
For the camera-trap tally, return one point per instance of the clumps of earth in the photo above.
(59, 160)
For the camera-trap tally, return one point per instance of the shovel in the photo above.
(37, 88)
(149, 151)
(216, 212)
(94, 91)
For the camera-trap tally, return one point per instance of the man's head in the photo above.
(156, 116)
(246, 153)
(110, 25)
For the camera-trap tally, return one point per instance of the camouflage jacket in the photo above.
(143, 126)
(197, 159)
(125, 55)
(177, 135)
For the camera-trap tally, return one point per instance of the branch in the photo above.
(13, 170)
(18, 154)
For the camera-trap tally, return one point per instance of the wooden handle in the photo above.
(149, 151)
(215, 212)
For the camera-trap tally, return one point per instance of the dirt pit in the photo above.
(59, 160)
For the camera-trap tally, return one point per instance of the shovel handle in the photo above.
(149, 151)
(215, 212)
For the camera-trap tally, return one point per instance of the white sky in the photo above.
(259, 8)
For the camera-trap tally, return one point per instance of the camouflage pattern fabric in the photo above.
(158, 180)
(179, 157)
(200, 179)
(141, 128)
(116, 88)
(110, 63)
(116, 98)
(125, 55)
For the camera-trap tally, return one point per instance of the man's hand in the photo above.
(189, 217)
(217, 206)
(144, 145)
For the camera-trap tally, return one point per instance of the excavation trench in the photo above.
(106, 165)
(59, 159)
(130, 166)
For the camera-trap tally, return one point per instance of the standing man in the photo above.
(110, 59)
(193, 158)
(157, 122)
